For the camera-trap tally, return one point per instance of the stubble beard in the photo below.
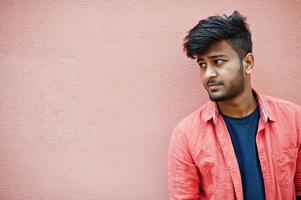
(237, 87)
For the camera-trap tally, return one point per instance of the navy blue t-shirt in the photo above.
(243, 135)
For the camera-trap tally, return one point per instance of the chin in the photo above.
(217, 97)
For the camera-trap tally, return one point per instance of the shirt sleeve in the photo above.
(298, 164)
(183, 178)
(298, 174)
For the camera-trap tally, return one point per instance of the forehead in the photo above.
(220, 48)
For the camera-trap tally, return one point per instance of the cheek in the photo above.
(201, 74)
(203, 79)
(227, 74)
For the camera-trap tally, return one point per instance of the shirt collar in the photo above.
(211, 111)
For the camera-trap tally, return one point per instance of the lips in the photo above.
(210, 85)
(213, 85)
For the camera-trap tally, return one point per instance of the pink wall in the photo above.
(91, 90)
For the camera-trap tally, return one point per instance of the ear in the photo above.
(248, 63)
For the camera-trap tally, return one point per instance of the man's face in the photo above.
(221, 72)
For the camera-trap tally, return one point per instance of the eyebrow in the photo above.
(213, 56)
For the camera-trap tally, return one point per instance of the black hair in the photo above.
(233, 29)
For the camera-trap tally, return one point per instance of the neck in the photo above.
(240, 106)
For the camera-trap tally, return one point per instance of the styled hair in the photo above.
(233, 29)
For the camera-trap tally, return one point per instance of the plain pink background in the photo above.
(91, 90)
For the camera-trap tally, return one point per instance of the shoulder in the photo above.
(278, 103)
(280, 108)
(189, 128)
(194, 120)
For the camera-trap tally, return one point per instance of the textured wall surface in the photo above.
(91, 90)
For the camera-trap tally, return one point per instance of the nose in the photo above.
(210, 72)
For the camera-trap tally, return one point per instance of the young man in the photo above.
(241, 144)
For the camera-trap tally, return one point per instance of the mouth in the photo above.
(213, 86)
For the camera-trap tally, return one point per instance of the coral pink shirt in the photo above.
(202, 162)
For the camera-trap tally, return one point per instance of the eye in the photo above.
(219, 62)
(202, 65)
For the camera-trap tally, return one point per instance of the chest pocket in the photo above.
(285, 165)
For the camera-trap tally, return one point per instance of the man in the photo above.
(241, 144)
